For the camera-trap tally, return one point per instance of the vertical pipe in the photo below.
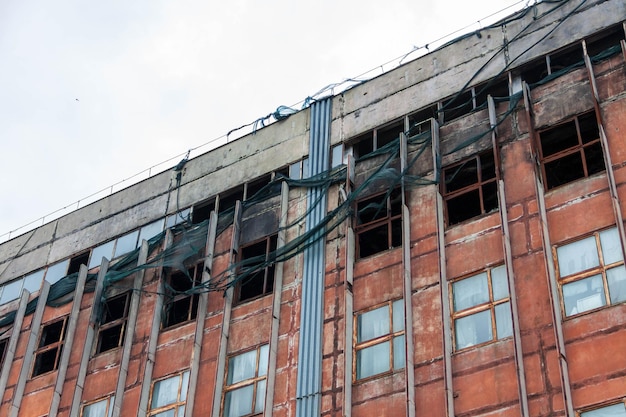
(89, 338)
(69, 342)
(277, 297)
(508, 258)
(15, 334)
(18, 393)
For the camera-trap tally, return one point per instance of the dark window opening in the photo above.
(364, 144)
(77, 261)
(458, 106)
(418, 122)
(113, 325)
(379, 223)
(49, 348)
(565, 58)
(4, 344)
(202, 211)
(181, 302)
(388, 134)
(607, 39)
(260, 185)
(494, 88)
(571, 150)
(535, 71)
(257, 270)
(229, 198)
(470, 188)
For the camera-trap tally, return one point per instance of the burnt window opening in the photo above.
(417, 120)
(474, 98)
(113, 325)
(378, 223)
(229, 198)
(606, 39)
(181, 302)
(48, 353)
(253, 187)
(470, 188)
(258, 269)
(202, 211)
(4, 344)
(377, 138)
(564, 58)
(571, 150)
(77, 261)
(534, 71)
(458, 106)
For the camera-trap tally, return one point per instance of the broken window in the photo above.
(470, 188)
(4, 345)
(591, 272)
(571, 150)
(256, 275)
(202, 211)
(378, 223)
(100, 408)
(379, 344)
(181, 301)
(244, 393)
(113, 325)
(49, 348)
(481, 308)
(376, 139)
(169, 396)
(77, 261)
(615, 410)
(474, 98)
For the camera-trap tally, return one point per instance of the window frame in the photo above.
(254, 381)
(175, 297)
(378, 340)
(271, 243)
(392, 217)
(176, 405)
(108, 409)
(488, 305)
(55, 346)
(582, 412)
(113, 323)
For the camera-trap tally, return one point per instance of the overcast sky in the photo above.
(94, 92)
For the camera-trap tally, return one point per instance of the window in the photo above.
(591, 272)
(244, 394)
(256, 274)
(169, 396)
(181, 303)
(379, 223)
(379, 345)
(481, 308)
(4, 344)
(49, 348)
(336, 156)
(571, 150)
(299, 170)
(377, 138)
(113, 324)
(470, 188)
(615, 410)
(101, 408)
(473, 98)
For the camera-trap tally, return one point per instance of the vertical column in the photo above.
(201, 315)
(15, 334)
(278, 289)
(69, 341)
(35, 324)
(551, 275)
(89, 337)
(508, 260)
(348, 350)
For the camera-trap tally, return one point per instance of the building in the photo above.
(446, 239)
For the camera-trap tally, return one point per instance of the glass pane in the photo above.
(174, 219)
(165, 392)
(150, 231)
(111, 402)
(294, 171)
(57, 271)
(617, 410)
(166, 413)
(336, 156)
(470, 291)
(259, 404)
(611, 247)
(473, 330)
(577, 256)
(184, 386)
(98, 252)
(372, 360)
(305, 168)
(238, 402)
(617, 284)
(583, 295)
(504, 327)
(241, 367)
(98, 409)
(398, 352)
(11, 291)
(126, 243)
(373, 324)
(33, 281)
(263, 358)
(398, 315)
(181, 411)
(499, 283)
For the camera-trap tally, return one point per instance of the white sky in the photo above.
(94, 92)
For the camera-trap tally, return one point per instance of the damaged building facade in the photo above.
(446, 239)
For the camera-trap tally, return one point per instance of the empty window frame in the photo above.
(181, 302)
(541, 67)
(376, 139)
(379, 223)
(591, 272)
(379, 340)
(481, 308)
(244, 392)
(615, 410)
(256, 273)
(473, 98)
(571, 150)
(4, 344)
(113, 325)
(470, 188)
(100, 408)
(169, 396)
(49, 348)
